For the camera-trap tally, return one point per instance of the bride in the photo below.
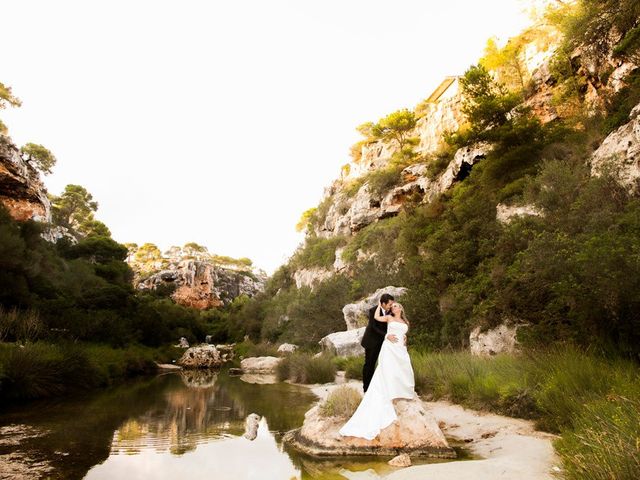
(393, 378)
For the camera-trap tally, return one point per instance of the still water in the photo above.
(186, 424)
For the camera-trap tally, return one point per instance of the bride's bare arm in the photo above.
(381, 318)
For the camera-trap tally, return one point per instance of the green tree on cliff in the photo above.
(7, 99)
(39, 156)
(394, 127)
(74, 209)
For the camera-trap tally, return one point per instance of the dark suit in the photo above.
(372, 342)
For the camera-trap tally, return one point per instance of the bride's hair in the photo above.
(403, 316)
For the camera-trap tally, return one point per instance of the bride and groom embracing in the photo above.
(384, 341)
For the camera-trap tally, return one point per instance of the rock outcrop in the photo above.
(505, 213)
(21, 189)
(344, 344)
(620, 152)
(260, 364)
(201, 284)
(287, 348)
(201, 356)
(251, 425)
(414, 432)
(501, 339)
(356, 315)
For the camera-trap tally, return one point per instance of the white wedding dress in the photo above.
(393, 378)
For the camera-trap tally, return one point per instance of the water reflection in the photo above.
(182, 424)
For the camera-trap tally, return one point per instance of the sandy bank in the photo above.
(509, 448)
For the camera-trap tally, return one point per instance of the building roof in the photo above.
(440, 89)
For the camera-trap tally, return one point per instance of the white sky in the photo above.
(221, 122)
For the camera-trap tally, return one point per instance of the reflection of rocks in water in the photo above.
(20, 466)
(16, 434)
(199, 378)
(259, 378)
(251, 426)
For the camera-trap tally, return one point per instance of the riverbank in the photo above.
(45, 369)
(508, 447)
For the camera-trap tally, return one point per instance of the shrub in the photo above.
(304, 368)
(341, 402)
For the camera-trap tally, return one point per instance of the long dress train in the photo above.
(393, 378)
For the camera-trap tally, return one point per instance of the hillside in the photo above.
(509, 196)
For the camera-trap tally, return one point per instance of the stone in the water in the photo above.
(201, 356)
(251, 426)
(207, 339)
(183, 343)
(260, 364)
(235, 371)
(402, 460)
(415, 432)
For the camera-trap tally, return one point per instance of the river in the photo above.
(186, 424)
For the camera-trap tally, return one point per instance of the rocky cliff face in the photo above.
(199, 283)
(21, 189)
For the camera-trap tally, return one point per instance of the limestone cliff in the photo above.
(197, 282)
(21, 189)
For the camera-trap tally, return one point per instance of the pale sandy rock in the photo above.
(260, 364)
(310, 277)
(621, 152)
(462, 162)
(504, 213)
(183, 343)
(339, 264)
(287, 348)
(201, 356)
(251, 424)
(168, 366)
(346, 344)
(402, 460)
(356, 314)
(415, 431)
(501, 339)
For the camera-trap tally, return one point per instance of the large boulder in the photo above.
(356, 315)
(501, 339)
(344, 344)
(201, 356)
(260, 364)
(414, 432)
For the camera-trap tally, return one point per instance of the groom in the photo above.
(372, 339)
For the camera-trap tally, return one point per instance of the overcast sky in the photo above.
(221, 122)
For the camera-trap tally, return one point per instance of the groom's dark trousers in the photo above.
(372, 342)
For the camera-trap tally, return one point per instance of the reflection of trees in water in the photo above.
(167, 412)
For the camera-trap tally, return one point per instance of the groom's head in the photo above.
(386, 300)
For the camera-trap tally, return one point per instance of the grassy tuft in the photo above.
(341, 402)
(302, 367)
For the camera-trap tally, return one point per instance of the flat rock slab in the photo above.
(415, 432)
(260, 364)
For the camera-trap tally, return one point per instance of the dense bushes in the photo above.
(43, 369)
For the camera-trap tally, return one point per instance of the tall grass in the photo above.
(592, 401)
(352, 366)
(341, 402)
(300, 367)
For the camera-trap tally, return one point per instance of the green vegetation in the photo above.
(592, 401)
(302, 367)
(341, 402)
(45, 369)
(317, 252)
(39, 156)
(74, 209)
(352, 366)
